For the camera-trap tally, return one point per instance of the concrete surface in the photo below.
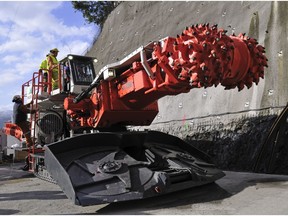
(236, 193)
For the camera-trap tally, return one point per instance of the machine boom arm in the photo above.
(202, 56)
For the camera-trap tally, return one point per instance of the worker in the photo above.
(44, 69)
(20, 112)
(66, 76)
(52, 65)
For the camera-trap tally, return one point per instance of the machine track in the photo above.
(39, 169)
(45, 178)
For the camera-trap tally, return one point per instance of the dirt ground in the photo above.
(236, 193)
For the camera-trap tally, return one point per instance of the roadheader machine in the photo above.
(88, 150)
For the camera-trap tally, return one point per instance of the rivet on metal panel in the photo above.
(118, 12)
(246, 104)
(270, 92)
(280, 53)
(180, 105)
(171, 9)
(158, 116)
(191, 122)
(224, 14)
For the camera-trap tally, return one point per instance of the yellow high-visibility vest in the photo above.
(44, 65)
(54, 61)
(54, 71)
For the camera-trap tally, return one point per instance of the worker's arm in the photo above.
(25, 109)
(50, 63)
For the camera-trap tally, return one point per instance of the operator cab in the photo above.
(77, 73)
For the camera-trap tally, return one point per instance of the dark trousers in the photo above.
(25, 127)
(45, 79)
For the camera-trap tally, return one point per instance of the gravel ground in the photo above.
(236, 193)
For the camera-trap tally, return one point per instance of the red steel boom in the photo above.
(202, 56)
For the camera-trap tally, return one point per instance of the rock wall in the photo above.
(229, 125)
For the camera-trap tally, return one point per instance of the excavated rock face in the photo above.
(240, 146)
(236, 146)
(230, 126)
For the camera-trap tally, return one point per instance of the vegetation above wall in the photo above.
(95, 11)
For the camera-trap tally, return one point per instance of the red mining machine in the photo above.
(88, 150)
